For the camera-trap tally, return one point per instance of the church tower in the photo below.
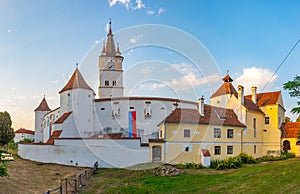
(110, 80)
(39, 114)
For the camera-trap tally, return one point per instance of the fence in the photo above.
(74, 183)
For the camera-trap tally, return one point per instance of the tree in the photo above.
(6, 131)
(294, 90)
(287, 119)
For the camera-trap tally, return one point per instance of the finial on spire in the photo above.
(76, 65)
(118, 47)
(227, 71)
(44, 96)
(109, 31)
(103, 48)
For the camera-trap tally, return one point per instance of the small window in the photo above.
(160, 134)
(106, 83)
(230, 133)
(217, 133)
(132, 107)
(69, 94)
(267, 120)
(254, 149)
(102, 108)
(254, 126)
(229, 149)
(114, 83)
(217, 150)
(187, 133)
(187, 148)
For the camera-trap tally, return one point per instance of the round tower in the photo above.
(39, 114)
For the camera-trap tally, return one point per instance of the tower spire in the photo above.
(109, 31)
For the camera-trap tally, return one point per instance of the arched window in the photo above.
(298, 143)
(286, 145)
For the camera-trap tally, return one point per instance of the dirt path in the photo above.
(32, 177)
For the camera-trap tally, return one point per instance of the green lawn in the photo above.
(270, 177)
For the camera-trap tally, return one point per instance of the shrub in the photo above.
(189, 166)
(288, 155)
(227, 163)
(26, 140)
(246, 159)
(3, 168)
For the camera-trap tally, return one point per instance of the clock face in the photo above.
(111, 65)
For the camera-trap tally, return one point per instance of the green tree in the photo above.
(294, 90)
(287, 119)
(6, 131)
(298, 119)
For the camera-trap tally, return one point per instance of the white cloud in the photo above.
(9, 30)
(55, 81)
(150, 12)
(139, 5)
(161, 10)
(124, 2)
(134, 39)
(186, 82)
(255, 76)
(127, 3)
(184, 68)
(97, 41)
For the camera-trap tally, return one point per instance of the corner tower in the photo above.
(39, 114)
(110, 78)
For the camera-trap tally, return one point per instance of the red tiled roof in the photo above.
(212, 115)
(63, 117)
(156, 140)
(205, 152)
(43, 106)
(22, 130)
(76, 81)
(268, 98)
(55, 135)
(227, 78)
(225, 88)
(291, 130)
(249, 104)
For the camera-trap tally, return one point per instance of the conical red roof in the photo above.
(43, 106)
(76, 81)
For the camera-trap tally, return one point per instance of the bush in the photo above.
(26, 140)
(189, 166)
(227, 163)
(288, 155)
(3, 168)
(246, 159)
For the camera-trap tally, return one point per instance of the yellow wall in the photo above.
(272, 133)
(202, 137)
(294, 148)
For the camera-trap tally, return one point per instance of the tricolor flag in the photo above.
(132, 124)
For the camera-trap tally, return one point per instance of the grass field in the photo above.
(267, 177)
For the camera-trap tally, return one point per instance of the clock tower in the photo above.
(110, 80)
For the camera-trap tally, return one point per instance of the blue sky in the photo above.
(41, 41)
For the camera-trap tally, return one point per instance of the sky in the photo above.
(172, 48)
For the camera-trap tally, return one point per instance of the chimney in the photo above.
(253, 97)
(201, 106)
(241, 94)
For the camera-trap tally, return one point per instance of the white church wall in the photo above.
(108, 153)
(146, 125)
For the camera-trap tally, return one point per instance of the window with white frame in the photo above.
(106, 83)
(114, 83)
(187, 133)
(147, 110)
(217, 133)
(230, 133)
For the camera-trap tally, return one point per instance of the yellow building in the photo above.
(231, 124)
(186, 134)
(291, 137)
(262, 113)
